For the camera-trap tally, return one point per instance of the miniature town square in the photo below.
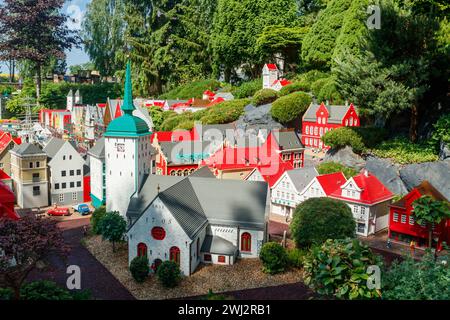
(180, 164)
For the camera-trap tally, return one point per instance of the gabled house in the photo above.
(368, 199)
(268, 174)
(319, 119)
(404, 228)
(191, 220)
(30, 176)
(7, 142)
(271, 78)
(323, 185)
(66, 172)
(286, 193)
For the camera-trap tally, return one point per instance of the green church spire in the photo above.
(127, 105)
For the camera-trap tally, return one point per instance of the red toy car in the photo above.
(59, 212)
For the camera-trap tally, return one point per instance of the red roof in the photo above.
(118, 112)
(284, 82)
(3, 175)
(373, 191)
(7, 203)
(272, 66)
(5, 140)
(331, 182)
(209, 93)
(215, 101)
(172, 136)
(101, 105)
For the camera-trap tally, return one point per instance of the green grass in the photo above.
(191, 90)
(402, 151)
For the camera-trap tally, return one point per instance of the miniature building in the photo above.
(7, 142)
(191, 220)
(127, 153)
(403, 227)
(319, 119)
(29, 174)
(66, 172)
(368, 199)
(7, 200)
(271, 78)
(98, 167)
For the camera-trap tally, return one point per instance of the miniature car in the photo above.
(82, 208)
(58, 212)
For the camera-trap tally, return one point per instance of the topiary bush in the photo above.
(264, 96)
(318, 219)
(342, 137)
(294, 87)
(139, 268)
(96, 217)
(169, 274)
(290, 107)
(44, 290)
(273, 257)
(225, 112)
(247, 89)
(338, 268)
(332, 167)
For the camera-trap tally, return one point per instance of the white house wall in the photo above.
(96, 166)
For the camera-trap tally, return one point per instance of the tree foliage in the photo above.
(139, 268)
(318, 219)
(264, 96)
(112, 227)
(273, 257)
(290, 107)
(169, 274)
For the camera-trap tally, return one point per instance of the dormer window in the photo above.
(320, 120)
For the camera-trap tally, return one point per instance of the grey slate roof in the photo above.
(182, 202)
(25, 149)
(194, 201)
(98, 150)
(301, 177)
(184, 152)
(53, 146)
(148, 193)
(336, 113)
(203, 172)
(288, 139)
(218, 245)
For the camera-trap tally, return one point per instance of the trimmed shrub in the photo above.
(318, 219)
(296, 257)
(185, 125)
(247, 89)
(264, 96)
(169, 274)
(44, 290)
(339, 268)
(332, 167)
(96, 217)
(193, 89)
(342, 137)
(225, 112)
(139, 268)
(294, 87)
(273, 257)
(290, 107)
(317, 85)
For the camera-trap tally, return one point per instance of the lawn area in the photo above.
(245, 274)
(402, 151)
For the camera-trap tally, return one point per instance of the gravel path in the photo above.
(94, 276)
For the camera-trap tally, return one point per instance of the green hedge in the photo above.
(294, 87)
(194, 89)
(247, 89)
(139, 268)
(264, 96)
(318, 219)
(290, 107)
(342, 137)
(403, 151)
(225, 112)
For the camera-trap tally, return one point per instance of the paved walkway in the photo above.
(94, 276)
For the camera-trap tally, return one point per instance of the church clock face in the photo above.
(120, 147)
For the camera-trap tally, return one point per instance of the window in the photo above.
(36, 191)
(173, 172)
(70, 157)
(355, 209)
(31, 165)
(363, 210)
(158, 233)
(175, 254)
(72, 172)
(78, 172)
(307, 129)
(61, 197)
(64, 185)
(319, 120)
(72, 184)
(74, 196)
(38, 164)
(141, 249)
(351, 121)
(316, 130)
(64, 157)
(35, 176)
(321, 132)
(63, 173)
(403, 218)
(324, 120)
(361, 228)
(246, 242)
(78, 183)
(411, 220)
(346, 122)
(56, 186)
(395, 217)
(221, 259)
(207, 257)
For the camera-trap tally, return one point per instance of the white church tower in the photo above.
(127, 154)
(270, 75)
(70, 101)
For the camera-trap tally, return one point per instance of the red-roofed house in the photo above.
(6, 179)
(369, 200)
(7, 200)
(258, 173)
(7, 142)
(271, 78)
(208, 95)
(319, 119)
(402, 226)
(279, 84)
(323, 185)
(215, 101)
